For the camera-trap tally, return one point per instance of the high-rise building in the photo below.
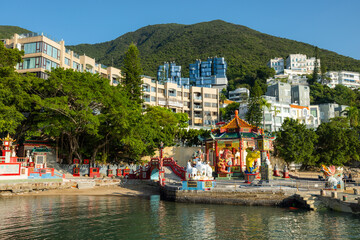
(170, 72)
(300, 64)
(42, 54)
(210, 73)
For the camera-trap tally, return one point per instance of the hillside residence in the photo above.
(279, 111)
(239, 95)
(200, 103)
(210, 73)
(42, 54)
(170, 72)
(277, 64)
(331, 110)
(346, 78)
(295, 64)
(286, 93)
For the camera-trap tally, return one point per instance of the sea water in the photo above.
(117, 217)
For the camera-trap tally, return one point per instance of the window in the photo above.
(207, 95)
(267, 116)
(214, 105)
(278, 120)
(160, 90)
(179, 94)
(214, 113)
(207, 104)
(76, 66)
(286, 110)
(186, 94)
(172, 93)
(313, 112)
(146, 88)
(213, 96)
(67, 61)
(153, 89)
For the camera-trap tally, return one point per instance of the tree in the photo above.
(264, 104)
(15, 99)
(337, 143)
(254, 113)
(82, 108)
(315, 74)
(229, 111)
(296, 143)
(352, 114)
(131, 72)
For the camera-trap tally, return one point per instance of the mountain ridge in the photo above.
(244, 49)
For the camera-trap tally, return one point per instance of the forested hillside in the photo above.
(244, 49)
(8, 31)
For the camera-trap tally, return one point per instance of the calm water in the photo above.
(95, 217)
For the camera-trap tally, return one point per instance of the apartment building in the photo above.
(210, 73)
(277, 64)
(201, 104)
(331, 110)
(42, 54)
(239, 95)
(346, 78)
(296, 64)
(279, 111)
(170, 72)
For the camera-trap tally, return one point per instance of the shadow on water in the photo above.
(103, 217)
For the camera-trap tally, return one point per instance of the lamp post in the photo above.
(161, 163)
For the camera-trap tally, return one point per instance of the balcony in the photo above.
(197, 98)
(197, 106)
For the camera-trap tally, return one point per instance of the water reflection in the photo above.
(95, 217)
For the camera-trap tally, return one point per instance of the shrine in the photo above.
(227, 145)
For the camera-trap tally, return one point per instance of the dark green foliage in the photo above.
(338, 143)
(295, 143)
(254, 113)
(8, 31)
(131, 71)
(190, 137)
(340, 94)
(229, 111)
(244, 49)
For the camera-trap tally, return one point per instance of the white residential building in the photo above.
(279, 111)
(239, 94)
(296, 64)
(346, 78)
(277, 64)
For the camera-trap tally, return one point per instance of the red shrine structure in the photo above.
(225, 149)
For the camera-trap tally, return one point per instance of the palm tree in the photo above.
(276, 111)
(352, 113)
(264, 104)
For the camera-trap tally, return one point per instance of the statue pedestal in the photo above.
(222, 175)
(199, 185)
(250, 177)
(266, 173)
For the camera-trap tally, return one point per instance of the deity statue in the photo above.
(251, 157)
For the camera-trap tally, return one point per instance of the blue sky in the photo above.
(328, 24)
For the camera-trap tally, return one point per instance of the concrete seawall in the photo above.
(25, 187)
(248, 197)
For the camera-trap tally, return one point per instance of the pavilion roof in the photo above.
(237, 123)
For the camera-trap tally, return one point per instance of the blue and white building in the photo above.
(171, 73)
(210, 73)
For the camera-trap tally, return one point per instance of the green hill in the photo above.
(243, 48)
(8, 31)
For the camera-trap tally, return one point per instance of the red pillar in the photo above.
(240, 149)
(216, 156)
